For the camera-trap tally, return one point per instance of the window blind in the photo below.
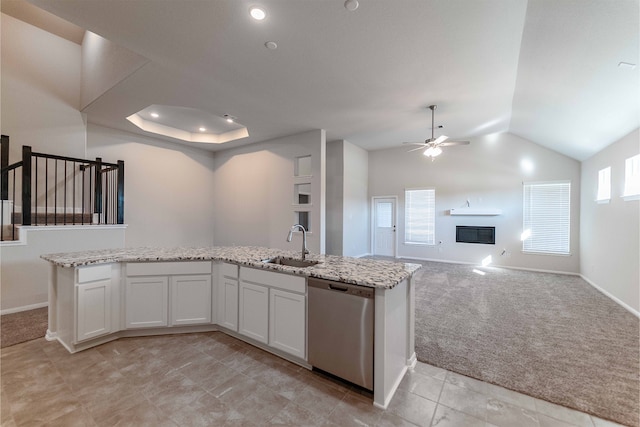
(546, 222)
(420, 216)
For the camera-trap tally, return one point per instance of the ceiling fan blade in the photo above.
(416, 149)
(414, 143)
(440, 139)
(450, 143)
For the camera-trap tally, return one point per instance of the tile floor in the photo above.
(212, 379)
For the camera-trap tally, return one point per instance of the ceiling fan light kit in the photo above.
(433, 145)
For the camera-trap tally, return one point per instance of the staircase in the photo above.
(46, 189)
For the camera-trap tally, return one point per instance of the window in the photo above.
(546, 217)
(420, 216)
(604, 185)
(632, 177)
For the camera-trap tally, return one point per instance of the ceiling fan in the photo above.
(433, 145)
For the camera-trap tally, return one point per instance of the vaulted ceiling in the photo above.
(545, 70)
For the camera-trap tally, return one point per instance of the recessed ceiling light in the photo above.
(229, 118)
(202, 129)
(257, 13)
(155, 115)
(271, 45)
(351, 5)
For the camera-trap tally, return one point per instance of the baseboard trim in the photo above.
(612, 297)
(362, 255)
(445, 261)
(24, 308)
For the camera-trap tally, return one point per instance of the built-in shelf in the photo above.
(475, 211)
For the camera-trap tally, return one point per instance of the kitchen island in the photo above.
(100, 296)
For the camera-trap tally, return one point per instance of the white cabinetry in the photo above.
(93, 302)
(191, 299)
(147, 301)
(254, 311)
(273, 309)
(228, 296)
(168, 294)
(287, 322)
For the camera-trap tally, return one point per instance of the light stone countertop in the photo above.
(359, 271)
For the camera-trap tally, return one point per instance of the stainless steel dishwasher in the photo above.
(340, 330)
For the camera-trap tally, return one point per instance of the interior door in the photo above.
(384, 226)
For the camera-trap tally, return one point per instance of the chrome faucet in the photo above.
(304, 238)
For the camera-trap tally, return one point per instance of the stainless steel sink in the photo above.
(291, 262)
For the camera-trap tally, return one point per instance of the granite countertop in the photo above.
(359, 271)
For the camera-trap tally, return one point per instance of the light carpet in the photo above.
(23, 326)
(550, 336)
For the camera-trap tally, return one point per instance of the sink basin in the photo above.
(291, 262)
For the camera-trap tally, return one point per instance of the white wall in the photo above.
(168, 188)
(610, 233)
(335, 196)
(104, 64)
(24, 276)
(40, 91)
(488, 173)
(356, 201)
(254, 192)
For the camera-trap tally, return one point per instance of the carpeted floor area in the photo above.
(23, 326)
(550, 336)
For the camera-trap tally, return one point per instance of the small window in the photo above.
(302, 166)
(302, 194)
(632, 178)
(302, 218)
(547, 217)
(420, 216)
(604, 185)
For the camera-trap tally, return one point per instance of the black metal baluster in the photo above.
(55, 193)
(64, 218)
(120, 195)
(13, 209)
(35, 210)
(46, 191)
(73, 211)
(26, 185)
(106, 199)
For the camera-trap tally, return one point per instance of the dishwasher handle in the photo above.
(344, 288)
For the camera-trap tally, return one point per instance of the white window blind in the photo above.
(547, 221)
(632, 176)
(420, 216)
(604, 184)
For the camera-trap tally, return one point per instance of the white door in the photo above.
(384, 226)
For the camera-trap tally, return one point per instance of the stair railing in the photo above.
(60, 190)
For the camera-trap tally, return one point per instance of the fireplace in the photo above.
(473, 234)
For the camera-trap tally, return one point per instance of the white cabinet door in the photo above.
(94, 309)
(254, 312)
(287, 322)
(147, 301)
(228, 303)
(190, 300)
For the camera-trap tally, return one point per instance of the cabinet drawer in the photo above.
(229, 270)
(275, 280)
(93, 273)
(168, 268)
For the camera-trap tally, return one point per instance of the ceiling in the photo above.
(545, 70)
